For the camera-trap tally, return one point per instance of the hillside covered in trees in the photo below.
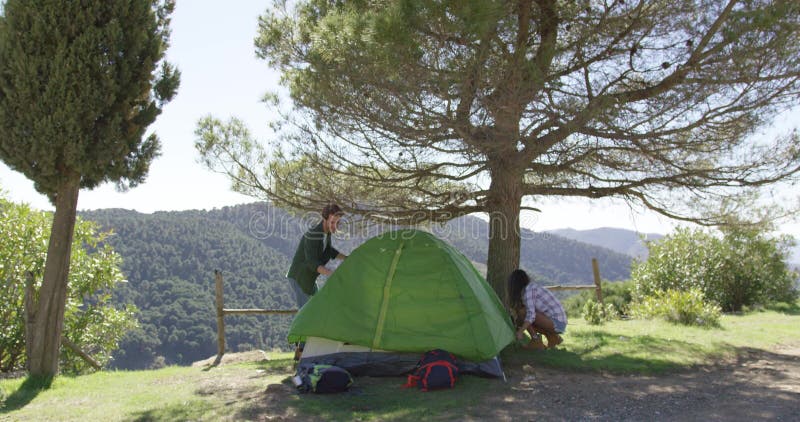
(169, 260)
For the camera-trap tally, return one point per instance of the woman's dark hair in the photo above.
(517, 282)
(331, 209)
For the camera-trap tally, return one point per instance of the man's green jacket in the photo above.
(315, 249)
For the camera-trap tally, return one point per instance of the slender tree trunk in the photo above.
(49, 317)
(504, 232)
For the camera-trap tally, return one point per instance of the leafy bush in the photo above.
(595, 313)
(742, 268)
(619, 294)
(792, 308)
(688, 307)
(90, 321)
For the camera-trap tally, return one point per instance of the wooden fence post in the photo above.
(598, 290)
(220, 318)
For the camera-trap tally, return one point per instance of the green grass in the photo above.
(174, 393)
(651, 347)
(253, 390)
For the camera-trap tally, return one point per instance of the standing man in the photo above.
(313, 252)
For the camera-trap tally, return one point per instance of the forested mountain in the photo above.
(169, 260)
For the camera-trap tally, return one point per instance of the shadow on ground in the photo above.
(190, 411)
(27, 391)
(755, 385)
(621, 362)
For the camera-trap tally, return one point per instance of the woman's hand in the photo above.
(521, 330)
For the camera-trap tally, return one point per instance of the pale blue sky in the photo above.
(212, 45)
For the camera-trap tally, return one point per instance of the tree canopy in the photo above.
(447, 108)
(80, 82)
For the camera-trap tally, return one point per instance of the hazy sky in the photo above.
(212, 45)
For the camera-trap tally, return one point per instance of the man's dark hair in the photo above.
(331, 209)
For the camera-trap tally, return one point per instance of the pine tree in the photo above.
(421, 110)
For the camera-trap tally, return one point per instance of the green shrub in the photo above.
(792, 308)
(687, 307)
(593, 312)
(616, 293)
(742, 268)
(90, 319)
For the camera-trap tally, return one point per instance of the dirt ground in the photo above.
(758, 385)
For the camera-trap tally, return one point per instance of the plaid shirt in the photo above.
(539, 299)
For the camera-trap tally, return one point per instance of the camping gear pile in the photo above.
(399, 295)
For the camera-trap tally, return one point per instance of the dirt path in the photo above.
(757, 386)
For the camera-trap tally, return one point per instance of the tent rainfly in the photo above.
(396, 296)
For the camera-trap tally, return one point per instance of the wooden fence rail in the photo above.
(221, 312)
(598, 290)
(595, 286)
(85, 356)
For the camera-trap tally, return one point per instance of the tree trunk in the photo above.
(49, 317)
(503, 206)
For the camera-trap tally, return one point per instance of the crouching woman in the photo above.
(543, 313)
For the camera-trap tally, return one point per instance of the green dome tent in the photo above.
(406, 291)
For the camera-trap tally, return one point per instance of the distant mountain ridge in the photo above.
(169, 260)
(627, 242)
(632, 243)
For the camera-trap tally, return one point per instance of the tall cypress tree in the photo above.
(80, 82)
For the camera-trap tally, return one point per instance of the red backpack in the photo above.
(436, 370)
